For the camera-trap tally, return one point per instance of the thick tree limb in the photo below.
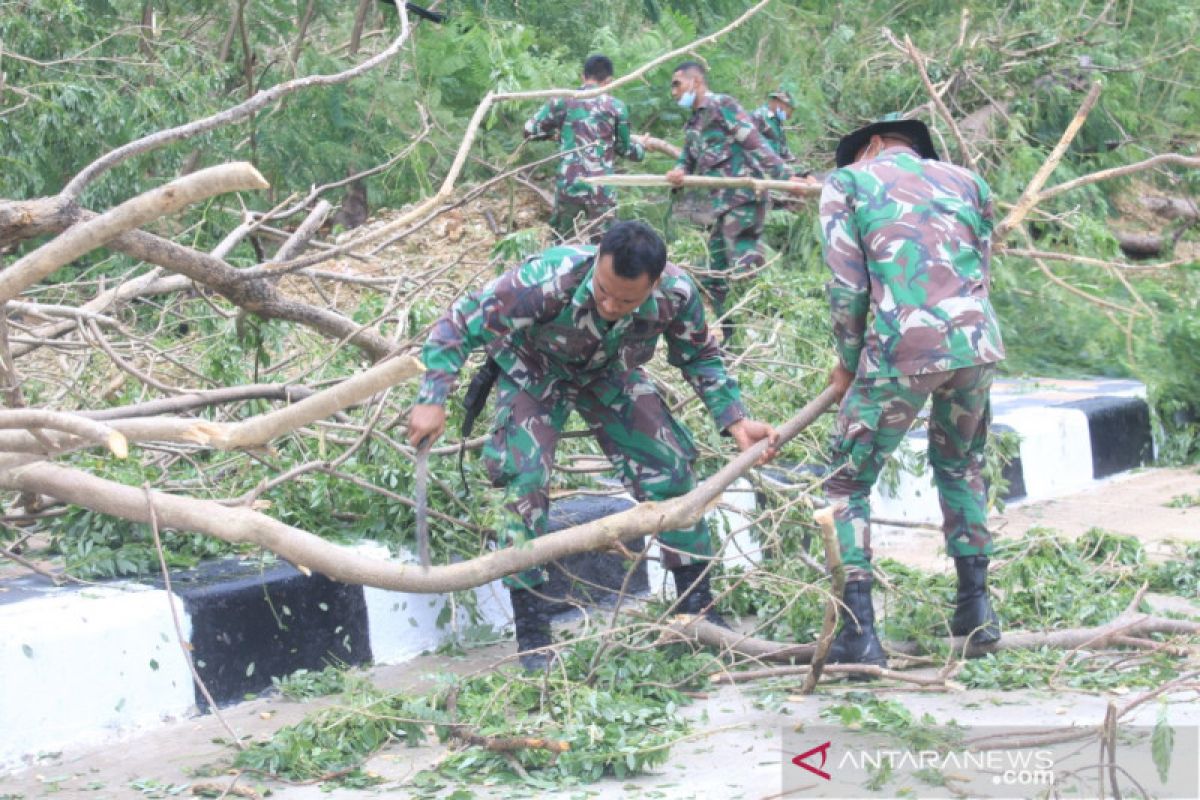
(657, 145)
(254, 432)
(259, 430)
(295, 245)
(89, 429)
(1139, 245)
(310, 553)
(257, 296)
(151, 205)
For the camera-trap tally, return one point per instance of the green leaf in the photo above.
(1162, 742)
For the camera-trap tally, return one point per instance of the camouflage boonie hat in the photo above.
(784, 96)
(912, 129)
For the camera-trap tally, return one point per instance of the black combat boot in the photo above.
(531, 618)
(856, 642)
(696, 593)
(973, 613)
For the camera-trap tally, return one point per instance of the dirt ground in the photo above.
(743, 741)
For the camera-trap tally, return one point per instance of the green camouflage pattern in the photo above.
(571, 219)
(734, 250)
(908, 242)
(874, 418)
(539, 322)
(770, 128)
(591, 133)
(722, 141)
(540, 325)
(651, 452)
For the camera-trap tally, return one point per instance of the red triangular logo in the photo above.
(823, 749)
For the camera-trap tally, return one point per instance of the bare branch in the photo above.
(80, 239)
(239, 112)
(1032, 194)
(75, 425)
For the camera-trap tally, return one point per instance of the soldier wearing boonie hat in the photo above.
(907, 238)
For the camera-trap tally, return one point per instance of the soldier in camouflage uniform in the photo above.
(907, 238)
(571, 329)
(721, 141)
(590, 133)
(769, 119)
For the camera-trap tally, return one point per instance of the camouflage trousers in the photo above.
(734, 247)
(570, 216)
(875, 416)
(651, 451)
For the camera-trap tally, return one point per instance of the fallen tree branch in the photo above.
(704, 182)
(509, 744)
(833, 557)
(1175, 159)
(1033, 192)
(211, 271)
(151, 205)
(1140, 626)
(654, 144)
(310, 553)
(253, 432)
(229, 116)
(918, 59)
(75, 425)
(1102, 636)
(768, 673)
(202, 399)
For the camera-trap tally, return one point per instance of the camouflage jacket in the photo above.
(910, 241)
(721, 141)
(539, 322)
(590, 133)
(771, 130)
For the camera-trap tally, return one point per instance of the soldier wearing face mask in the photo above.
(769, 119)
(722, 141)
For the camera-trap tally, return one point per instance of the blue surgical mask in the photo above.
(688, 99)
(781, 114)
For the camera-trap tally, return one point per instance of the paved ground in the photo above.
(739, 750)
(1133, 503)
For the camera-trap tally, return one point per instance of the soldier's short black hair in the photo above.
(636, 250)
(691, 66)
(598, 68)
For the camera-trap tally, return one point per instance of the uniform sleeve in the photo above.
(624, 145)
(513, 301)
(987, 213)
(547, 122)
(692, 348)
(743, 130)
(850, 286)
